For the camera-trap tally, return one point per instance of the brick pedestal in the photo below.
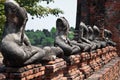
(84, 65)
(72, 71)
(98, 59)
(113, 51)
(110, 71)
(105, 55)
(29, 72)
(102, 64)
(92, 62)
(55, 70)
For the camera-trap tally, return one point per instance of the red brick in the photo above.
(109, 72)
(56, 61)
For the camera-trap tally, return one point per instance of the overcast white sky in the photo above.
(69, 9)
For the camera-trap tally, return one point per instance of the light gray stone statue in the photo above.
(15, 45)
(62, 39)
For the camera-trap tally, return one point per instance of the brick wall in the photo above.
(92, 11)
(113, 19)
(80, 66)
(109, 10)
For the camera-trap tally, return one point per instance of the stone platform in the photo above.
(102, 64)
(110, 71)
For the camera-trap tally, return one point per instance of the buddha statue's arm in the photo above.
(74, 43)
(85, 40)
(23, 18)
(61, 43)
(26, 40)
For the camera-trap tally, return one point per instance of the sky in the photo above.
(68, 7)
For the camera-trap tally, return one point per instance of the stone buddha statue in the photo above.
(85, 36)
(62, 39)
(90, 33)
(91, 37)
(82, 42)
(15, 45)
(108, 35)
(97, 39)
(84, 33)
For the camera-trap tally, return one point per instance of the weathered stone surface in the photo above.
(109, 72)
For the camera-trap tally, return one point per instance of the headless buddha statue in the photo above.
(15, 45)
(62, 39)
(91, 37)
(108, 35)
(84, 36)
(102, 44)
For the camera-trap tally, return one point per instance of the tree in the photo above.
(53, 32)
(45, 37)
(71, 33)
(2, 18)
(33, 8)
(46, 32)
(48, 41)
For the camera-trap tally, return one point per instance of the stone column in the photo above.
(78, 19)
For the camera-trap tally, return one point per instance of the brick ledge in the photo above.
(110, 71)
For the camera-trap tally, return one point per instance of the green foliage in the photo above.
(48, 41)
(45, 37)
(2, 18)
(53, 32)
(33, 7)
(40, 37)
(71, 35)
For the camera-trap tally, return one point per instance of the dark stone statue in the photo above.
(84, 38)
(108, 35)
(90, 33)
(91, 38)
(84, 33)
(102, 43)
(15, 45)
(62, 39)
(85, 47)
